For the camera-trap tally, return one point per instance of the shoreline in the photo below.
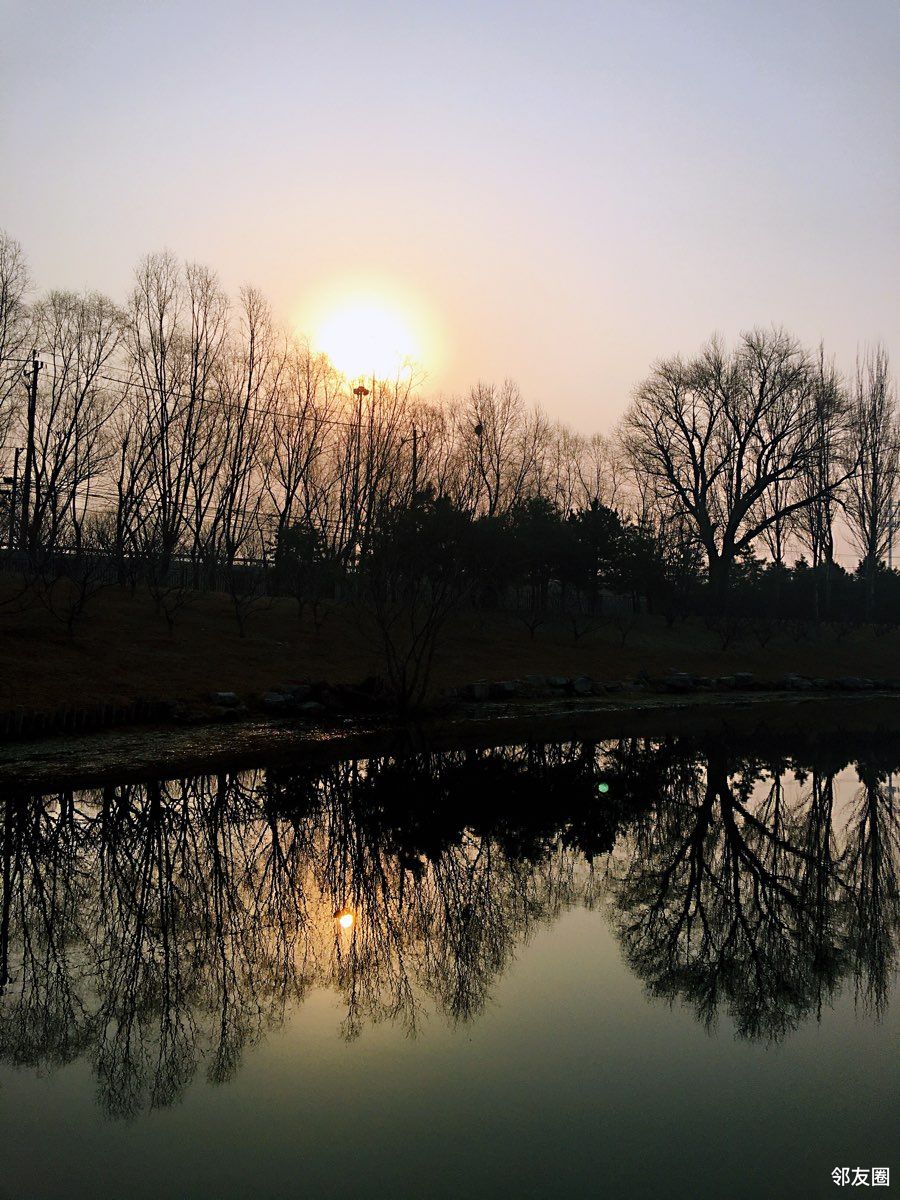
(152, 751)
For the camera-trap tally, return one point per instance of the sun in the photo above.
(369, 335)
(346, 918)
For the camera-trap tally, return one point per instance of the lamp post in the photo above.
(478, 430)
(893, 518)
(360, 392)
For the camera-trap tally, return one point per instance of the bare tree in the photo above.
(303, 406)
(601, 472)
(246, 390)
(501, 446)
(130, 456)
(246, 387)
(873, 463)
(15, 326)
(824, 476)
(178, 321)
(79, 335)
(369, 468)
(726, 434)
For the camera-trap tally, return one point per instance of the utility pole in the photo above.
(14, 499)
(36, 366)
(893, 513)
(415, 461)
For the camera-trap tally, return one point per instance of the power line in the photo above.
(152, 390)
(155, 505)
(250, 408)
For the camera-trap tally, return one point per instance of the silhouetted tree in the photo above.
(725, 437)
(874, 464)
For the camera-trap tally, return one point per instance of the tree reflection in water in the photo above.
(155, 929)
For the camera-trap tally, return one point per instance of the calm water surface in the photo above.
(639, 968)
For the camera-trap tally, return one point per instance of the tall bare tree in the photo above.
(874, 462)
(15, 324)
(303, 406)
(824, 478)
(177, 327)
(726, 436)
(502, 439)
(15, 327)
(79, 335)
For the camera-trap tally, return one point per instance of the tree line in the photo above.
(183, 436)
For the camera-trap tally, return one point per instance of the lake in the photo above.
(635, 967)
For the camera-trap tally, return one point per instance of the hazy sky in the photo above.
(567, 190)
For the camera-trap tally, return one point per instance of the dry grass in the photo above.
(121, 650)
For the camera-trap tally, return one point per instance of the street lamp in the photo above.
(893, 521)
